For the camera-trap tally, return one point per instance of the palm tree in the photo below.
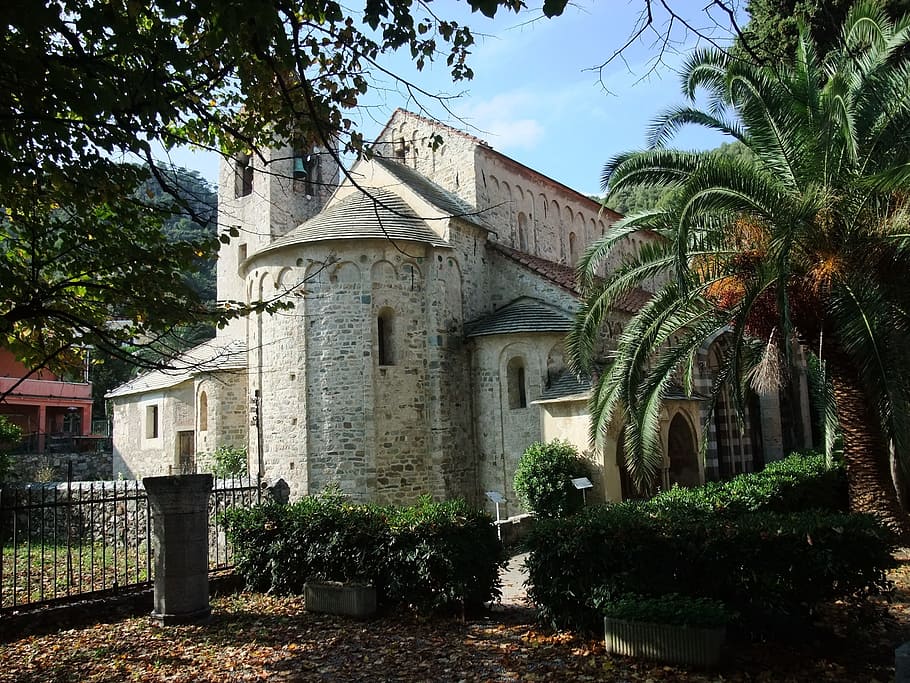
(805, 239)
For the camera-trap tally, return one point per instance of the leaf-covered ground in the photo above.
(256, 637)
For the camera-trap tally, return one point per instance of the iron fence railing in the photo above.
(69, 540)
(228, 493)
(75, 538)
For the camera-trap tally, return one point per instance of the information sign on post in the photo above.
(496, 498)
(583, 484)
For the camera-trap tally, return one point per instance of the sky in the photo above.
(538, 95)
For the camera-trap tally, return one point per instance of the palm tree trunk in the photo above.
(869, 483)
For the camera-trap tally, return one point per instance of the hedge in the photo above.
(727, 542)
(797, 483)
(432, 556)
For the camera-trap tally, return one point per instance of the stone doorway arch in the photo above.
(682, 453)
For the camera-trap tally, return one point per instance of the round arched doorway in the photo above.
(683, 453)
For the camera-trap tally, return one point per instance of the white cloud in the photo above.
(503, 120)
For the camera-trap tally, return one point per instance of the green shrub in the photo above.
(543, 480)
(10, 435)
(672, 609)
(794, 484)
(432, 556)
(443, 554)
(768, 567)
(229, 461)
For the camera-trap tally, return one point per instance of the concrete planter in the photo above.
(334, 597)
(687, 645)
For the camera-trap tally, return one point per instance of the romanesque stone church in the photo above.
(432, 287)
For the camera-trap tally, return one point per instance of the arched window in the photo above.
(522, 231)
(306, 171)
(203, 412)
(385, 336)
(518, 395)
(573, 249)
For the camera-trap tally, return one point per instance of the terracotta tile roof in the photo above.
(564, 276)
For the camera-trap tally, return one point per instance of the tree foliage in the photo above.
(634, 199)
(10, 434)
(543, 479)
(84, 86)
(772, 33)
(804, 240)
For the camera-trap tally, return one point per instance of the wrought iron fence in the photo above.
(69, 540)
(74, 538)
(228, 493)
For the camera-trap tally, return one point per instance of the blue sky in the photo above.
(537, 95)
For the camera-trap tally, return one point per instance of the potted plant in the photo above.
(344, 555)
(670, 628)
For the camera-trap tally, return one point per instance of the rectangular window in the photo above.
(243, 175)
(151, 422)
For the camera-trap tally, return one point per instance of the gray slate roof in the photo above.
(522, 315)
(442, 199)
(211, 356)
(379, 215)
(566, 384)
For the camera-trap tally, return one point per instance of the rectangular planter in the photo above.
(664, 643)
(334, 597)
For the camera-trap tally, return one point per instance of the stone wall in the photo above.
(277, 204)
(504, 429)
(136, 453)
(408, 139)
(56, 466)
(226, 423)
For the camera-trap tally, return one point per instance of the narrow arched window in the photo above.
(518, 395)
(203, 412)
(522, 231)
(573, 249)
(385, 336)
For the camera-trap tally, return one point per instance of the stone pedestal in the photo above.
(902, 664)
(180, 540)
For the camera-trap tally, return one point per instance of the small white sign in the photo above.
(496, 497)
(582, 483)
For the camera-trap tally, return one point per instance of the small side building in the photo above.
(48, 408)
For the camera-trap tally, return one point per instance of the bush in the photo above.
(442, 555)
(10, 434)
(795, 484)
(229, 461)
(433, 556)
(543, 480)
(672, 609)
(767, 566)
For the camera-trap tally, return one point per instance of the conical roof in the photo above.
(379, 214)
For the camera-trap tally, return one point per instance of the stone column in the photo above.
(902, 664)
(180, 541)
